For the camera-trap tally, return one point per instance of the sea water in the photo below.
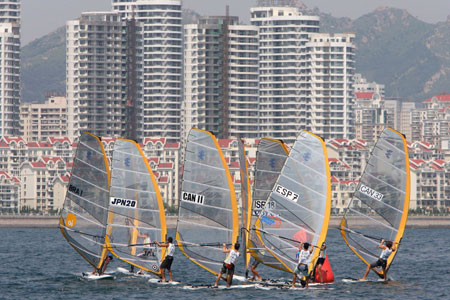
(39, 264)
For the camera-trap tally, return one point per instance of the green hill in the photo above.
(43, 66)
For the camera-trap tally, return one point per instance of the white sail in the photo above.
(137, 211)
(270, 158)
(84, 216)
(208, 213)
(301, 203)
(381, 199)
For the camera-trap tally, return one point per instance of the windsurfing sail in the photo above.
(270, 158)
(379, 207)
(137, 211)
(208, 215)
(246, 201)
(85, 212)
(301, 206)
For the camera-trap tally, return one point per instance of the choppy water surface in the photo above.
(39, 264)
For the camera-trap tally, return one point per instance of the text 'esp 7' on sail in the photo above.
(193, 198)
(286, 193)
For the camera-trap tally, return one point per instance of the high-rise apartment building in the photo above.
(159, 66)
(284, 72)
(331, 65)
(96, 74)
(38, 122)
(10, 11)
(221, 77)
(371, 116)
(9, 67)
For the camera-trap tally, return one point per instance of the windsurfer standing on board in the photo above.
(102, 269)
(304, 258)
(167, 262)
(382, 261)
(255, 274)
(228, 264)
(321, 260)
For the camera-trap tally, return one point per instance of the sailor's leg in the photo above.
(294, 278)
(319, 270)
(366, 273)
(163, 274)
(217, 279)
(255, 273)
(105, 265)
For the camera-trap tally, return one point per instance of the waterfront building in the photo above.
(422, 150)
(158, 51)
(38, 122)
(13, 153)
(284, 70)
(430, 185)
(9, 67)
(96, 74)
(331, 65)
(36, 183)
(9, 193)
(36, 173)
(221, 77)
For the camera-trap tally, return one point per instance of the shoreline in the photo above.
(171, 221)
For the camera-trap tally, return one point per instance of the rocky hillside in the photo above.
(409, 56)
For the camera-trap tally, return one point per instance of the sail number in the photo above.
(370, 192)
(193, 198)
(258, 206)
(122, 202)
(75, 190)
(286, 193)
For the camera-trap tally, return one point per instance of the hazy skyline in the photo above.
(44, 16)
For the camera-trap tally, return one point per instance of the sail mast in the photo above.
(246, 201)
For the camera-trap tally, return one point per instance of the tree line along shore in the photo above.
(52, 222)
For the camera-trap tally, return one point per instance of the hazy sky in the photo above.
(40, 17)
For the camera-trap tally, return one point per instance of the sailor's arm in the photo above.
(225, 249)
(162, 244)
(381, 246)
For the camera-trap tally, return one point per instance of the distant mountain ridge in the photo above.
(409, 56)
